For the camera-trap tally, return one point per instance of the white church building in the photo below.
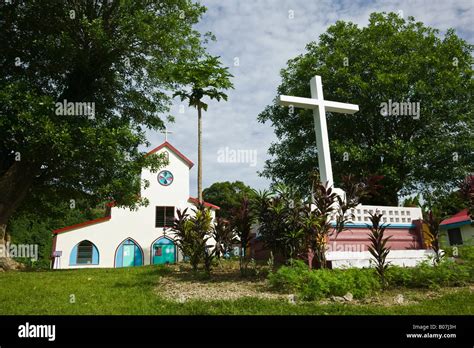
(127, 238)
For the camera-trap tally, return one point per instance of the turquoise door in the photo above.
(128, 255)
(163, 252)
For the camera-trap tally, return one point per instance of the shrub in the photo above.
(40, 264)
(316, 284)
(447, 273)
(289, 278)
(464, 252)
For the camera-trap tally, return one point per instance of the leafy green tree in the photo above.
(412, 201)
(205, 78)
(227, 195)
(389, 59)
(444, 203)
(118, 55)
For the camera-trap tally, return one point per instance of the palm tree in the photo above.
(206, 78)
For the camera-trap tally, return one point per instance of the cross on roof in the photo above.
(320, 106)
(166, 132)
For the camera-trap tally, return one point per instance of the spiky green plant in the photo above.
(432, 219)
(191, 235)
(242, 220)
(378, 246)
(224, 237)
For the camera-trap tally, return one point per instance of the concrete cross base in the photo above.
(404, 258)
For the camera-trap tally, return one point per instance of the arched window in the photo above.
(84, 253)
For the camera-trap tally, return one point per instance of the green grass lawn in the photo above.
(134, 291)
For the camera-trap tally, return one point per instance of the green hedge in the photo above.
(447, 273)
(316, 284)
(464, 252)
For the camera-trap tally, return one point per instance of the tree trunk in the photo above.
(3, 233)
(199, 155)
(6, 263)
(14, 185)
(310, 258)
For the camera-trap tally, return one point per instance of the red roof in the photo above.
(175, 150)
(206, 204)
(462, 216)
(81, 225)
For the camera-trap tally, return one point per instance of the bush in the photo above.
(289, 279)
(316, 284)
(40, 264)
(447, 273)
(464, 252)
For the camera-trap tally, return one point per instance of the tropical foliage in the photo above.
(224, 236)
(192, 234)
(378, 246)
(242, 220)
(432, 220)
(292, 225)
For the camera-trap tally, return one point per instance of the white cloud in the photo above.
(263, 37)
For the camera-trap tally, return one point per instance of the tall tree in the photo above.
(391, 59)
(205, 78)
(227, 195)
(116, 56)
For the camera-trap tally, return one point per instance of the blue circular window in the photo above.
(165, 178)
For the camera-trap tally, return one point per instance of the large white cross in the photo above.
(320, 106)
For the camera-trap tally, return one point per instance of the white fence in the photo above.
(391, 215)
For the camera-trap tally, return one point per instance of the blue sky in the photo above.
(262, 36)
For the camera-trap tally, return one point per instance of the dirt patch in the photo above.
(182, 291)
(225, 283)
